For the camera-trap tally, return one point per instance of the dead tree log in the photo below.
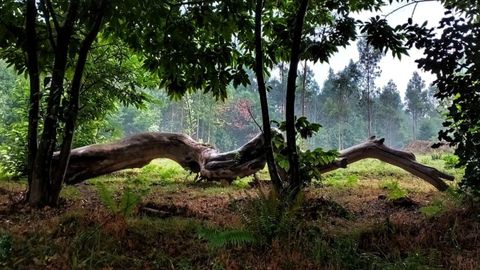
(374, 148)
(138, 150)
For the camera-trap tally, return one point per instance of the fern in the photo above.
(231, 237)
(395, 192)
(107, 197)
(129, 199)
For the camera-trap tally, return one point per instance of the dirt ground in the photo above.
(399, 227)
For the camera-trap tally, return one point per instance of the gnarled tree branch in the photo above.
(138, 150)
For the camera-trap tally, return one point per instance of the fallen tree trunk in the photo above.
(374, 148)
(138, 150)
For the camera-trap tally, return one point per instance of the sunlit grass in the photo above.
(372, 172)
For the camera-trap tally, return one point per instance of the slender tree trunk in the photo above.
(172, 113)
(284, 89)
(369, 108)
(73, 105)
(413, 125)
(197, 133)
(34, 78)
(339, 142)
(42, 170)
(294, 170)
(303, 86)
(262, 91)
(209, 131)
(182, 117)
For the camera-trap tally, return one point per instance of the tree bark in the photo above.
(138, 150)
(73, 107)
(304, 81)
(375, 148)
(42, 170)
(262, 92)
(294, 168)
(34, 79)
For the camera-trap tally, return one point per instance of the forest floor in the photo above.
(369, 216)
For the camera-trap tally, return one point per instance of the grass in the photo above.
(372, 172)
(341, 179)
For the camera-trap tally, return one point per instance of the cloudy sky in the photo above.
(398, 70)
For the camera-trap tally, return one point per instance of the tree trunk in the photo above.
(414, 125)
(138, 150)
(73, 106)
(303, 86)
(34, 79)
(262, 92)
(39, 190)
(375, 148)
(294, 169)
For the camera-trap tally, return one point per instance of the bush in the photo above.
(5, 246)
(395, 192)
(13, 150)
(451, 161)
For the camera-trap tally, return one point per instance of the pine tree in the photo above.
(416, 100)
(370, 70)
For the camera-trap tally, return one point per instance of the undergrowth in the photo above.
(395, 192)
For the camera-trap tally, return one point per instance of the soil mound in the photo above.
(425, 147)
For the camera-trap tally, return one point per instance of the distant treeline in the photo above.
(346, 106)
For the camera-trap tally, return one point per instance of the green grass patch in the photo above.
(158, 172)
(340, 179)
(163, 170)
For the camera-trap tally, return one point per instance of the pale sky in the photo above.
(400, 71)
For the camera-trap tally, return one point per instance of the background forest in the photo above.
(340, 105)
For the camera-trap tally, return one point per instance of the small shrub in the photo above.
(437, 156)
(123, 206)
(395, 192)
(5, 246)
(268, 217)
(451, 161)
(242, 182)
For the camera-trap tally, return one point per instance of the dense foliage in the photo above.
(453, 57)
